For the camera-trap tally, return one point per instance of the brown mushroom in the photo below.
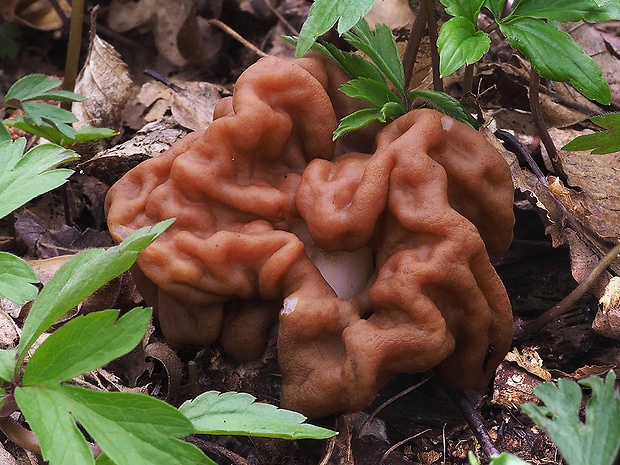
(264, 189)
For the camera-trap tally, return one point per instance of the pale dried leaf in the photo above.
(105, 82)
(530, 361)
(9, 332)
(192, 107)
(35, 14)
(394, 13)
(607, 320)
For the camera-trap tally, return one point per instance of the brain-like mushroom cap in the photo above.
(264, 188)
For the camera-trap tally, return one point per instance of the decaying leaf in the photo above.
(105, 82)
(530, 361)
(607, 320)
(514, 386)
(175, 28)
(36, 14)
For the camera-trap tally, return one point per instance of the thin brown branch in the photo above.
(468, 79)
(19, 435)
(571, 299)
(539, 122)
(431, 22)
(235, 35)
(413, 45)
(400, 443)
(281, 18)
(219, 450)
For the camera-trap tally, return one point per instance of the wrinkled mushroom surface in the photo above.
(414, 217)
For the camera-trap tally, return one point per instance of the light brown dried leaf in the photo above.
(36, 14)
(105, 82)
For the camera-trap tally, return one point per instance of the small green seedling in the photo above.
(45, 120)
(529, 28)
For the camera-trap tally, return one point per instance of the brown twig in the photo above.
(539, 122)
(19, 435)
(235, 35)
(468, 79)
(571, 299)
(431, 22)
(281, 18)
(413, 45)
(392, 399)
(400, 443)
(331, 445)
(219, 450)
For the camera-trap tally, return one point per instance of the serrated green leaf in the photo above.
(600, 142)
(85, 344)
(460, 43)
(496, 7)
(82, 275)
(594, 442)
(556, 56)
(17, 279)
(5, 135)
(31, 87)
(469, 9)
(39, 112)
(52, 134)
(237, 413)
(8, 362)
(355, 65)
(380, 47)
(324, 14)
(567, 11)
(371, 91)
(447, 105)
(132, 429)
(39, 87)
(23, 178)
(362, 118)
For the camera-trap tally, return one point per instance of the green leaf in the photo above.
(460, 43)
(380, 47)
(39, 87)
(362, 118)
(447, 105)
(556, 56)
(324, 14)
(503, 459)
(10, 33)
(85, 344)
(132, 429)
(594, 442)
(236, 413)
(602, 142)
(5, 135)
(82, 275)
(371, 91)
(496, 7)
(568, 11)
(469, 9)
(52, 134)
(8, 362)
(17, 279)
(23, 178)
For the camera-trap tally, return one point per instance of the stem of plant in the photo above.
(468, 79)
(431, 22)
(413, 45)
(75, 42)
(572, 298)
(19, 435)
(539, 122)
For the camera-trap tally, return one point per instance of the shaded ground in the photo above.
(427, 420)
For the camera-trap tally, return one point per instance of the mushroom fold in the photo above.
(414, 211)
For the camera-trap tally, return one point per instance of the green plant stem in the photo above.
(431, 22)
(539, 122)
(75, 42)
(571, 299)
(413, 45)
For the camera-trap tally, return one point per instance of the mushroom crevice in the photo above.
(373, 254)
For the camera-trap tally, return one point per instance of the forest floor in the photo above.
(423, 425)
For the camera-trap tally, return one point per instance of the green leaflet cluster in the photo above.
(529, 28)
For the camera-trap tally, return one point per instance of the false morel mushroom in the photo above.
(372, 253)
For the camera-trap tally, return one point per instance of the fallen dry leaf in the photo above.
(36, 14)
(607, 320)
(175, 28)
(106, 84)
